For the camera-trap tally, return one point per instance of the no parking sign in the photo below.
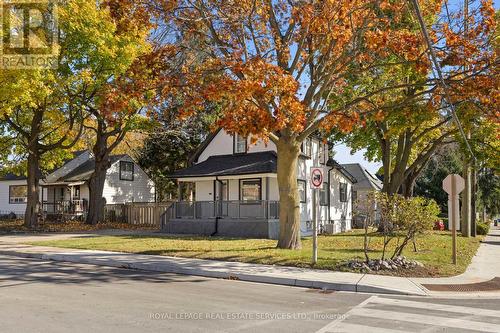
(316, 177)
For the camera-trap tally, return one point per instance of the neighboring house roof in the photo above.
(231, 165)
(85, 170)
(365, 179)
(332, 163)
(11, 176)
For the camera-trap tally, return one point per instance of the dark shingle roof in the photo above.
(11, 176)
(231, 165)
(84, 171)
(332, 163)
(365, 179)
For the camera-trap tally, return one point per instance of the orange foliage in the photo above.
(273, 65)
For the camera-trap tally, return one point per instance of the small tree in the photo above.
(415, 216)
(401, 219)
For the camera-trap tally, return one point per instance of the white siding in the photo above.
(5, 206)
(84, 192)
(222, 144)
(141, 189)
(205, 190)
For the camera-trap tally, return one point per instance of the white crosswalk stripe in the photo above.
(439, 307)
(374, 309)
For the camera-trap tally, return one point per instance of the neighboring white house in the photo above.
(231, 189)
(366, 183)
(65, 190)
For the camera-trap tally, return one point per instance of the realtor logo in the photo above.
(29, 35)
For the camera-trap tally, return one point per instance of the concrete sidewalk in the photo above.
(484, 265)
(481, 269)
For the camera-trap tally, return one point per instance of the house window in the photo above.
(126, 170)
(240, 144)
(76, 192)
(250, 189)
(323, 195)
(306, 147)
(343, 192)
(354, 196)
(18, 194)
(301, 184)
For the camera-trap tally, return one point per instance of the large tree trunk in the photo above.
(96, 183)
(288, 155)
(33, 182)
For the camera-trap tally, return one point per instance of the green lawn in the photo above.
(433, 250)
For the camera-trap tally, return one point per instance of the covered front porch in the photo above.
(63, 201)
(227, 195)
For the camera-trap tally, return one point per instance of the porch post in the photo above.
(41, 205)
(267, 203)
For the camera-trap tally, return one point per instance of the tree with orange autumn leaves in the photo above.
(283, 70)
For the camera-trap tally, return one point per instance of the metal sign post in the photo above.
(316, 184)
(453, 185)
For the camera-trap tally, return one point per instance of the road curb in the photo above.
(357, 286)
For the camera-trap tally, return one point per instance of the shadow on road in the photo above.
(30, 270)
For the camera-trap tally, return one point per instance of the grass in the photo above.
(434, 250)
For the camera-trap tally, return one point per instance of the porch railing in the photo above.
(74, 207)
(261, 209)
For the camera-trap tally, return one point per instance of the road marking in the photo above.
(438, 307)
(333, 324)
(431, 319)
(350, 328)
(436, 321)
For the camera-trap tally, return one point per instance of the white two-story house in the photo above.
(231, 189)
(65, 190)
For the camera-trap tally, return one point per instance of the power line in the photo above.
(441, 80)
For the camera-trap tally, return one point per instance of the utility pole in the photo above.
(465, 226)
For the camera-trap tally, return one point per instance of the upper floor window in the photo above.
(343, 192)
(126, 170)
(301, 184)
(306, 147)
(18, 194)
(240, 144)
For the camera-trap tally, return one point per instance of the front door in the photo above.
(222, 197)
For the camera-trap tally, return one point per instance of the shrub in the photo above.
(482, 228)
(401, 219)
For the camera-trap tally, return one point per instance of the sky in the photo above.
(343, 153)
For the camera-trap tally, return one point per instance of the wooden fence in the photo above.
(137, 213)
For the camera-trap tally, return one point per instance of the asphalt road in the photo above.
(41, 296)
